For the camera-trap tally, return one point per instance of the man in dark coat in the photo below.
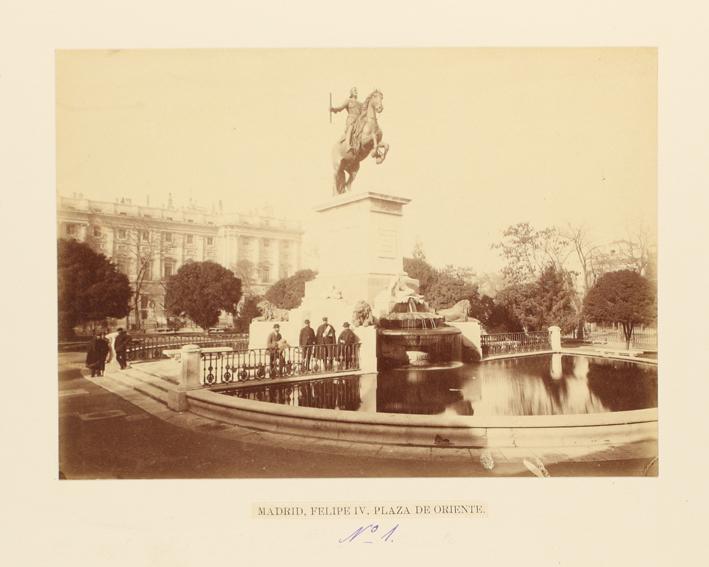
(120, 346)
(307, 340)
(326, 340)
(272, 342)
(101, 353)
(346, 345)
(92, 355)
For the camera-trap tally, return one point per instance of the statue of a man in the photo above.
(354, 107)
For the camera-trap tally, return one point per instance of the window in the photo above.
(170, 218)
(97, 231)
(144, 301)
(210, 241)
(71, 230)
(189, 239)
(266, 243)
(143, 314)
(169, 268)
(265, 272)
(145, 235)
(122, 233)
(168, 236)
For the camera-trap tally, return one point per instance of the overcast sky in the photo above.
(480, 138)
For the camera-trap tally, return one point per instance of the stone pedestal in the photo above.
(555, 338)
(359, 240)
(190, 359)
(470, 339)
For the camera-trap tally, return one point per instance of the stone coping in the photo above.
(414, 420)
(352, 197)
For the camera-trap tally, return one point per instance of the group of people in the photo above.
(101, 349)
(324, 344)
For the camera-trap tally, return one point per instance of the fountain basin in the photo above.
(452, 428)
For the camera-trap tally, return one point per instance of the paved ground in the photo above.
(102, 435)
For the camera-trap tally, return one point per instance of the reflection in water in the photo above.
(555, 371)
(535, 385)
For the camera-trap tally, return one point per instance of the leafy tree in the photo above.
(287, 293)
(447, 290)
(623, 297)
(502, 320)
(547, 301)
(90, 287)
(201, 290)
(528, 252)
(245, 270)
(481, 307)
(421, 270)
(247, 310)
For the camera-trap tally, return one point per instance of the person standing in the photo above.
(306, 342)
(272, 345)
(121, 345)
(92, 355)
(346, 345)
(101, 353)
(326, 339)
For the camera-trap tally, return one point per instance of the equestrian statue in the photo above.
(362, 138)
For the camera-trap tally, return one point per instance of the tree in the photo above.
(287, 293)
(247, 310)
(448, 290)
(623, 297)
(421, 270)
(201, 290)
(138, 249)
(245, 270)
(547, 301)
(90, 287)
(528, 251)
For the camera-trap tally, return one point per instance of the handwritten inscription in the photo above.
(370, 534)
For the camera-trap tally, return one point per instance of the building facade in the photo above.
(149, 244)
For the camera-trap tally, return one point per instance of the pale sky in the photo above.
(479, 138)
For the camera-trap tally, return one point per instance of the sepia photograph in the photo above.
(357, 262)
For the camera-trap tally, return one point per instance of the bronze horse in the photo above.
(366, 142)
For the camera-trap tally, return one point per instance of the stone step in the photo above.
(142, 383)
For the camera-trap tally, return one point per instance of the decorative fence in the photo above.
(148, 348)
(267, 364)
(645, 339)
(510, 343)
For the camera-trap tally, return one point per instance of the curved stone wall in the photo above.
(429, 431)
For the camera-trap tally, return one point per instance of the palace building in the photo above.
(149, 244)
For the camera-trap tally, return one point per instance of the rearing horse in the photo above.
(366, 141)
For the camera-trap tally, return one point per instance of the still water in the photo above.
(535, 385)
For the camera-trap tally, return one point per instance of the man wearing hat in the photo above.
(307, 340)
(326, 341)
(346, 345)
(274, 338)
(120, 345)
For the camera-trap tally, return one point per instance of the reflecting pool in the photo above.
(534, 385)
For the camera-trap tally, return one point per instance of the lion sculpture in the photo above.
(459, 312)
(269, 312)
(362, 314)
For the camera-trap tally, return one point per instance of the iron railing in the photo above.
(268, 364)
(148, 348)
(645, 339)
(510, 343)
